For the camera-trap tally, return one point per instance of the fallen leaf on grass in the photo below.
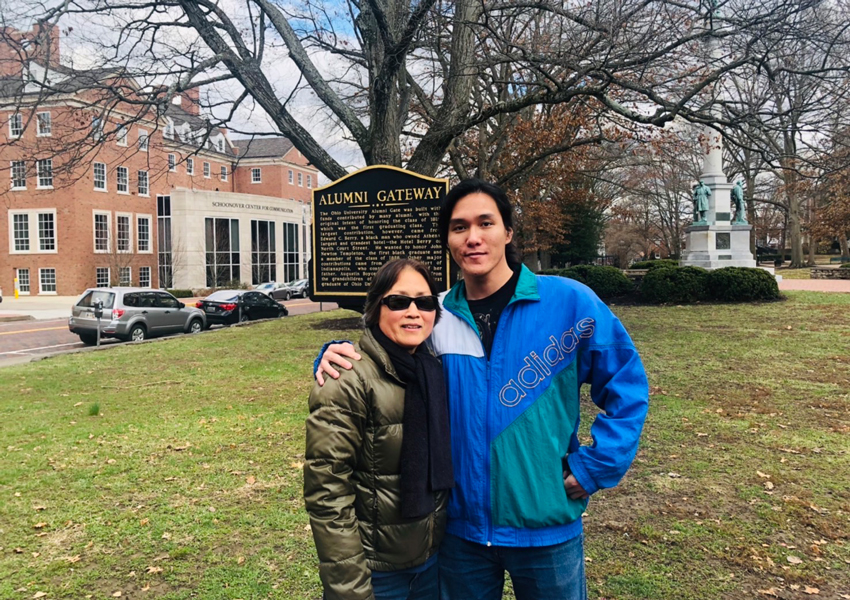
(240, 560)
(763, 476)
(768, 485)
(250, 480)
(117, 594)
(794, 560)
(144, 522)
(39, 595)
(146, 588)
(154, 570)
(296, 465)
(673, 475)
(40, 525)
(73, 559)
(811, 591)
(39, 507)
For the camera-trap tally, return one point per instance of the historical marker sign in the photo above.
(369, 217)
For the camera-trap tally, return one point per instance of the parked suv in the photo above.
(132, 314)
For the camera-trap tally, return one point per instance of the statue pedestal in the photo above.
(718, 246)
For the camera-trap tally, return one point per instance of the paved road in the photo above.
(21, 340)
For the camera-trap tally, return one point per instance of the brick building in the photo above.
(102, 192)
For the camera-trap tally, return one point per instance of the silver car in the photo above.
(132, 314)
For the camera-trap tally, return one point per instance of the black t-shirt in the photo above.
(487, 311)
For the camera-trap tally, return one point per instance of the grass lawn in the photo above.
(173, 469)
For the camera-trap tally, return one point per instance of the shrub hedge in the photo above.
(674, 284)
(845, 266)
(654, 264)
(181, 293)
(677, 285)
(742, 284)
(606, 282)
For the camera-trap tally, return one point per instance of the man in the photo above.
(515, 349)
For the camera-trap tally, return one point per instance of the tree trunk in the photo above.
(842, 243)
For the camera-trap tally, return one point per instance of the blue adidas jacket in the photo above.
(515, 416)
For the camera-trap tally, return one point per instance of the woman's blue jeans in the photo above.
(470, 571)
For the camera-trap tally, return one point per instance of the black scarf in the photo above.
(426, 451)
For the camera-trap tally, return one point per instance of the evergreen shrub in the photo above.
(742, 284)
(674, 285)
(605, 281)
(654, 264)
(181, 293)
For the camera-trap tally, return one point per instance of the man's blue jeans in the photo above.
(408, 586)
(470, 571)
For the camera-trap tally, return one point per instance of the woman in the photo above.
(378, 461)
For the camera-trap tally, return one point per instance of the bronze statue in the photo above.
(738, 199)
(701, 195)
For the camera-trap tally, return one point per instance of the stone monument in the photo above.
(714, 240)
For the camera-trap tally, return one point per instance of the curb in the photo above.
(13, 318)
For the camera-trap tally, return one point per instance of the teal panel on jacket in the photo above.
(526, 473)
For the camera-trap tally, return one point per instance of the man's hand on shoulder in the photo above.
(335, 354)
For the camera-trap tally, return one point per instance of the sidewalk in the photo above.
(815, 285)
(36, 307)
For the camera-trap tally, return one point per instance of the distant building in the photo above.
(101, 192)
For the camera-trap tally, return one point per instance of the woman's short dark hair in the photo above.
(474, 186)
(385, 279)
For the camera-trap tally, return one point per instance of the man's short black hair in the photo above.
(474, 186)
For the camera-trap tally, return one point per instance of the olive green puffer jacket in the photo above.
(351, 479)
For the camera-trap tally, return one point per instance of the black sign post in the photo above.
(367, 218)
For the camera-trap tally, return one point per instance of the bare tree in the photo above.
(405, 80)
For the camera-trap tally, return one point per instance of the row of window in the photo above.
(34, 231)
(103, 277)
(123, 233)
(122, 180)
(44, 175)
(190, 167)
(43, 124)
(46, 280)
(257, 177)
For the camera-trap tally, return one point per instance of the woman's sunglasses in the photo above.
(398, 302)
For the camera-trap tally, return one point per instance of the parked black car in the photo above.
(226, 307)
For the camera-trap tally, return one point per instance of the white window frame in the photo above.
(129, 217)
(94, 176)
(21, 291)
(144, 140)
(219, 144)
(147, 192)
(12, 164)
(33, 232)
(108, 216)
(38, 231)
(300, 179)
(40, 121)
(149, 219)
(41, 279)
(98, 271)
(38, 175)
(141, 280)
(309, 182)
(125, 282)
(168, 133)
(126, 171)
(291, 177)
(122, 135)
(13, 239)
(258, 172)
(20, 122)
(190, 166)
(207, 170)
(172, 162)
(223, 173)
